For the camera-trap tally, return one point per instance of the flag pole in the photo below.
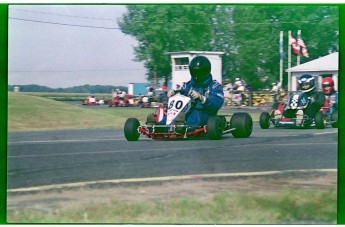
(281, 58)
(299, 55)
(289, 62)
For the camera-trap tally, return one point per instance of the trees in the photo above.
(169, 28)
(249, 35)
(257, 34)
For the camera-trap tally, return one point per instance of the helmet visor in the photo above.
(326, 86)
(305, 85)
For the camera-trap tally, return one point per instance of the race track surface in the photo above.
(37, 159)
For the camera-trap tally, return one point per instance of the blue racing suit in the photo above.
(200, 112)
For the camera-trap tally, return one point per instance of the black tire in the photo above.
(214, 128)
(131, 129)
(334, 117)
(320, 120)
(265, 120)
(243, 124)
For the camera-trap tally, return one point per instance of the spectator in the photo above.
(227, 88)
(275, 88)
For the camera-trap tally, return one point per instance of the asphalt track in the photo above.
(38, 160)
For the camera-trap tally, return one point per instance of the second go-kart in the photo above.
(297, 102)
(240, 124)
(330, 114)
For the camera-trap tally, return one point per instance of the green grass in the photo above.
(287, 207)
(67, 96)
(30, 113)
(27, 112)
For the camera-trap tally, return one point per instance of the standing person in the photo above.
(227, 87)
(206, 92)
(237, 84)
(275, 88)
(274, 92)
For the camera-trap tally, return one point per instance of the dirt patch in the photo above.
(201, 189)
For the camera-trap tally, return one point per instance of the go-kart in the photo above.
(296, 101)
(330, 114)
(90, 101)
(122, 102)
(240, 124)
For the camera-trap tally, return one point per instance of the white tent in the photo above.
(326, 66)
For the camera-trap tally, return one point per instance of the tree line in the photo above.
(248, 34)
(96, 89)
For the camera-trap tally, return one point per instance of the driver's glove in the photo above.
(312, 100)
(170, 93)
(196, 95)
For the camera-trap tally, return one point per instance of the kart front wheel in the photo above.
(334, 119)
(131, 129)
(265, 120)
(320, 120)
(243, 125)
(214, 128)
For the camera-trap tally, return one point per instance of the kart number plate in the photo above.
(176, 105)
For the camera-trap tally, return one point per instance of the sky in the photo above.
(62, 46)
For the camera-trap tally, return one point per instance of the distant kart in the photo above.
(297, 101)
(121, 102)
(240, 124)
(90, 101)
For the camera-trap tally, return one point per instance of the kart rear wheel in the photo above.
(320, 120)
(265, 120)
(243, 124)
(214, 128)
(131, 129)
(334, 118)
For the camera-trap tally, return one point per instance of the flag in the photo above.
(301, 43)
(294, 44)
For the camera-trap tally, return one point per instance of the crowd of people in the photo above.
(211, 94)
(236, 91)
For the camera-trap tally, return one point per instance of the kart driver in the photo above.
(331, 95)
(207, 93)
(316, 99)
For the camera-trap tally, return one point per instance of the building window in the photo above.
(181, 63)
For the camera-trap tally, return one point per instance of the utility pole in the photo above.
(299, 55)
(289, 61)
(281, 55)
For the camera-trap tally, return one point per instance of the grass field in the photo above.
(286, 207)
(33, 112)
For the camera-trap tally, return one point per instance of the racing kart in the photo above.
(297, 101)
(330, 114)
(122, 102)
(240, 124)
(90, 101)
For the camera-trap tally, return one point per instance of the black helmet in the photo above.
(200, 68)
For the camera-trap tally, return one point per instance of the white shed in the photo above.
(326, 66)
(180, 61)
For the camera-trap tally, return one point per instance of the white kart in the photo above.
(240, 124)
